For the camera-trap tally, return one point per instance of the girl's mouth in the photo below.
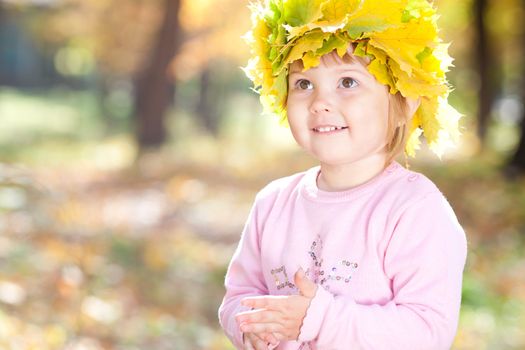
(329, 129)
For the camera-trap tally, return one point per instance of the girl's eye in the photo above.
(303, 84)
(347, 83)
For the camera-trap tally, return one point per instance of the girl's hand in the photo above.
(267, 340)
(281, 315)
(253, 342)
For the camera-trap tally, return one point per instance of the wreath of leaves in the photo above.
(399, 37)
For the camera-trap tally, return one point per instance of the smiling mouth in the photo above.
(327, 129)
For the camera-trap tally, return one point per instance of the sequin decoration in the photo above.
(316, 272)
(341, 273)
(281, 278)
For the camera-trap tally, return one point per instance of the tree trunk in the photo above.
(485, 66)
(154, 88)
(208, 118)
(516, 165)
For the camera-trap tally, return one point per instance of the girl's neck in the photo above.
(340, 177)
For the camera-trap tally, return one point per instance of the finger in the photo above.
(254, 341)
(260, 344)
(306, 287)
(248, 344)
(261, 327)
(270, 338)
(262, 302)
(258, 316)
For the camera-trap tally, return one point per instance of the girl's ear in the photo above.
(412, 106)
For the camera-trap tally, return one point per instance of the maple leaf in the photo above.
(309, 42)
(404, 43)
(280, 87)
(417, 9)
(310, 60)
(374, 16)
(416, 85)
(448, 134)
(334, 42)
(382, 74)
(300, 12)
(441, 55)
(337, 10)
(438, 122)
(414, 133)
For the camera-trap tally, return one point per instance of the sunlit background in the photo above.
(131, 148)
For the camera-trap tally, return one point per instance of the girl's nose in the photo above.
(320, 105)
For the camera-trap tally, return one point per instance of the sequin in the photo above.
(339, 273)
(281, 278)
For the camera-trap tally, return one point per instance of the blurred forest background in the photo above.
(131, 148)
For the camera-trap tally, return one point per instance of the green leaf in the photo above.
(332, 43)
(273, 14)
(424, 54)
(301, 12)
(311, 41)
(416, 9)
(357, 31)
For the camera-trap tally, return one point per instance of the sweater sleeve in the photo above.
(244, 277)
(424, 262)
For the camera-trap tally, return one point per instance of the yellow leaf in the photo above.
(404, 43)
(280, 84)
(256, 38)
(430, 124)
(377, 53)
(326, 27)
(335, 11)
(334, 42)
(448, 134)
(309, 42)
(416, 85)
(382, 75)
(310, 60)
(374, 16)
(413, 142)
(443, 58)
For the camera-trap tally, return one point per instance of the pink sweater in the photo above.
(388, 257)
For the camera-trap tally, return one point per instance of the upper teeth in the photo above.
(329, 128)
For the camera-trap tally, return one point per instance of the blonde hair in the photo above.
(398, 118)
(398, 122)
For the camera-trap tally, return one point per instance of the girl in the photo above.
(358, 252)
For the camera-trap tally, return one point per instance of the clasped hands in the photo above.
(275, 318)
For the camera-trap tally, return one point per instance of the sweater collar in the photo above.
(310, 190)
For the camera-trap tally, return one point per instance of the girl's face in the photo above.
(338, 111)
